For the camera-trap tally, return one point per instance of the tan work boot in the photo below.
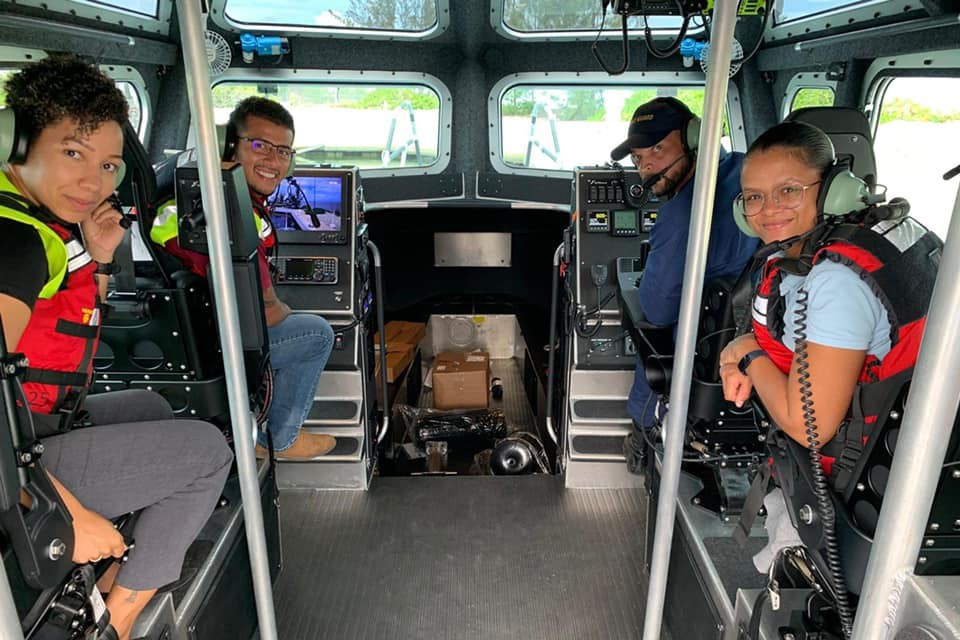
(306, 446)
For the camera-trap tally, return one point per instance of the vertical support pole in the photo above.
(211, 188)
(705, 182)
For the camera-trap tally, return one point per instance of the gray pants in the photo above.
(138, 457)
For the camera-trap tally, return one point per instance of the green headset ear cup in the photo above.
(690, 135)
(121, 172)
(13, 141)
(740, 217)
(841, 192)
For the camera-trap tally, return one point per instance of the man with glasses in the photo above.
(661, 142)
(260, 137)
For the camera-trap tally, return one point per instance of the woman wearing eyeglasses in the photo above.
(853, 280)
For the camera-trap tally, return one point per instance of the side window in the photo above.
(918, 131)
(137, 115)
(812, 97)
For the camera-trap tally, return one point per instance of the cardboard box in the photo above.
(403, 339)
(399, 331)
(461, 380)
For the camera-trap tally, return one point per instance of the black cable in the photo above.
(673, 48)
(820, 487)
(624, 41)
(756, 47)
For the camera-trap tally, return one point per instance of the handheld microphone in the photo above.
(114, 201)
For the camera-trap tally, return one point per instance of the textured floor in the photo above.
(464, 558)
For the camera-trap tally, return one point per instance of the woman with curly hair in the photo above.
(58, 234)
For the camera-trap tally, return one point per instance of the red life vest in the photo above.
(61, 336)
(898, 260)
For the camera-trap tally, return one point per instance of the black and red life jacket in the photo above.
(898, 259)
(61, 336)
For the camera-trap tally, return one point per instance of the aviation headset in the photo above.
(690, 135)
(841, 192)
(228, 137)
(15, 143)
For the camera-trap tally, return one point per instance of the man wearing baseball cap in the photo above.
(662, 143)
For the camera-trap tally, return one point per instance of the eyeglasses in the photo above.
(788, 196)
(264, 148)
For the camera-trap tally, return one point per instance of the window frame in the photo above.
(502, 29)
(860, 14)
(340, 77)
(219, 17)
(19, 56)
(110, 15)
(128, 74)
(638, 80)
(805, 80)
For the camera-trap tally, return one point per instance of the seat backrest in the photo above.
(850, 132)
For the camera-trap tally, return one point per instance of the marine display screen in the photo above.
(308, 203)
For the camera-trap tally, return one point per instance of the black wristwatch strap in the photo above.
(750, 357)
(107, 268)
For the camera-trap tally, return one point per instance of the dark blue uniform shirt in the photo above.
(728, 252)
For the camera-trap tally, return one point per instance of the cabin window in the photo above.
(403, 16)
(130, 88)
(918, 128)
(562, 127)
(571, 16)
(797, 9)
(812, 97)
(150, 16)
(145, 8)
(393, 127)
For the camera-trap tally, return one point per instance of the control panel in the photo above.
(307, 270)
(614, 219)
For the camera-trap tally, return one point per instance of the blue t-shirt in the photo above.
(728, 252)
(842, 311)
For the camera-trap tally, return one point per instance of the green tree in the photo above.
(392, 97)
(636, 99)
(227, 94)
(812, 97)
(518, 101)
(910, 111)
(582, 104)
(400, 15)
(550, 15)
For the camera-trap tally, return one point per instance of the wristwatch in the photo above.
(750, 357)
(107, 268)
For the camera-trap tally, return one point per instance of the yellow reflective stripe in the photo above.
(164, 226)
(53, 247)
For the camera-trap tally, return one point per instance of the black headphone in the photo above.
(841, 193)
(228, 138)
(15, 143)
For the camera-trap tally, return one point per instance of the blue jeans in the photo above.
(299, 349)
(642, 401)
